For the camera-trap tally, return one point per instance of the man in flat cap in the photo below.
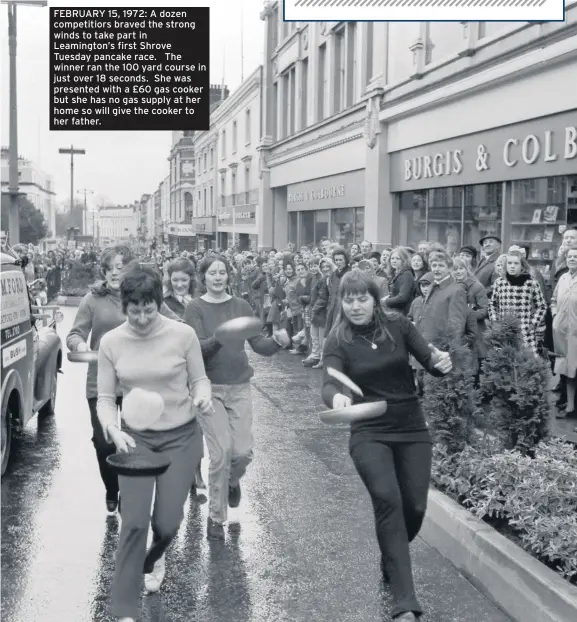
(485, 272)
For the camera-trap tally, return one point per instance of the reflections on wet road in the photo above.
(306, 548)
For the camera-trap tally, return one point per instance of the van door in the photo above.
(17, 339)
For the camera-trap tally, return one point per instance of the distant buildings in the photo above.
(36, 184)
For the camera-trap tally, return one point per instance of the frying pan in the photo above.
(139, 462)
(239, 328)
(344, 380)
(356, 412)
(90, 356)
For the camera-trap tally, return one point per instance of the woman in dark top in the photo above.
(228, 429)
(392, 453)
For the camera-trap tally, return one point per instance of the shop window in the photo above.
(307, 232)
(322, 222)
(359, 224)
(343, 229)
(293, 227)
(483, 212)
(451, 216)
(537, 208)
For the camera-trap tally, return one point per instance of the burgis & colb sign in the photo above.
(539, 148)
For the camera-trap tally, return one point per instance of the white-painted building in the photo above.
(232, 175)
(36, 184)
(403, 131)
(117, 223)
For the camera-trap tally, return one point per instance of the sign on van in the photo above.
(15, 304)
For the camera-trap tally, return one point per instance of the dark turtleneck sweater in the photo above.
(383, 373)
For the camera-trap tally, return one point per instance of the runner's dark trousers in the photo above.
(396, 475)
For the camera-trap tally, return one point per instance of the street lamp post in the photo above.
(85, 192)
(13, 176)
(72, 153)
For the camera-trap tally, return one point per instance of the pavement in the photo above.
(306, 551)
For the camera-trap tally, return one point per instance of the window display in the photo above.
(344, 226)
(538, 217)
(453, 216)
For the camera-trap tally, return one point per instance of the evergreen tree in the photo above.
(451, 401)
(514, 383)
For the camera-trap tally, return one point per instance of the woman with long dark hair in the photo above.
(392, 453)
(228, 429)
(100, 311)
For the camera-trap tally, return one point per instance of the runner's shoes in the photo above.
(234, 495)
(153, 581)
(214, 530)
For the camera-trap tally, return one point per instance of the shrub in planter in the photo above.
(514, 383)
(536, 496)
(451, 402)
(78, 278)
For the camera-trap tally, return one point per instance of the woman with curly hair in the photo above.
(101, 311)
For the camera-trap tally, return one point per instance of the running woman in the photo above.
(100, 311)
(227, 430)
(392, 453)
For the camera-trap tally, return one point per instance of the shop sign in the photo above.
(181, 230)
(337, 191)
(245, 215)
(225, 218)
(187, 169)
(204, 225)
(532, 149)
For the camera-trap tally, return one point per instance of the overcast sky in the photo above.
(120, 166)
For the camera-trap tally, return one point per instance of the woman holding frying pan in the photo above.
(391, 452)
(152, 353)
(227, 430)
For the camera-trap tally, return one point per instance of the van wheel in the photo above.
(7, 422)
(50, 407)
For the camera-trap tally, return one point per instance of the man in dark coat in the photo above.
(485, 272)
(445, 310)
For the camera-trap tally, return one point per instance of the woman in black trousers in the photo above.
(392, 453)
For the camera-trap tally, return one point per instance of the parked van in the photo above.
(31, 356)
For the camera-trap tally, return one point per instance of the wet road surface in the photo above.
(306, 550)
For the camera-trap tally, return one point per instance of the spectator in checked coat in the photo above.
(445, 310)
(518, 295)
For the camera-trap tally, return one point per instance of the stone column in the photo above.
(381, 212)
(280, 222)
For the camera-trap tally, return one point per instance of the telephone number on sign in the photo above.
(14, 353)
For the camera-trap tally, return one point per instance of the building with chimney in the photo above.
(182, 177)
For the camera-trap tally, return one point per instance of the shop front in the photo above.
(181, 237)
(205, 229)
(246, 235)
(518, 182)
(225, 228)
(331, 207)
